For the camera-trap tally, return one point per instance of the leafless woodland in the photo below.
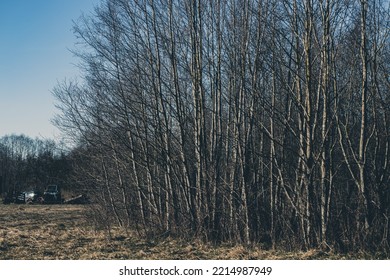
(246, 121)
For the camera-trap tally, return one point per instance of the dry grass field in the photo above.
(39, 232)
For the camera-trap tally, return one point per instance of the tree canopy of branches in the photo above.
(246, 121)
(27, 163)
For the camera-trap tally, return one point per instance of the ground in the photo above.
(39, 232)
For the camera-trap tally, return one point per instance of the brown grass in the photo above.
(63, 232)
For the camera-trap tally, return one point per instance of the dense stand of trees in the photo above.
(28, 164)
(247, 121)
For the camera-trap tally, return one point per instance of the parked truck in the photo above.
(23, 197)
(27, 197)
(52, 195)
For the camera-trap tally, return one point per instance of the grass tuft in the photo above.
(41, 232)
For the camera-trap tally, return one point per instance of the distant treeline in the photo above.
(252, 121)
(31, 164)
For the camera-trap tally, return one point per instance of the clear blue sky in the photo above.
(35, 38)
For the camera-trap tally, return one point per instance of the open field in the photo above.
(63, 232)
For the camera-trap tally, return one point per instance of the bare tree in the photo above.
(236, 120)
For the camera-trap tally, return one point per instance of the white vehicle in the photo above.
(27, 197)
